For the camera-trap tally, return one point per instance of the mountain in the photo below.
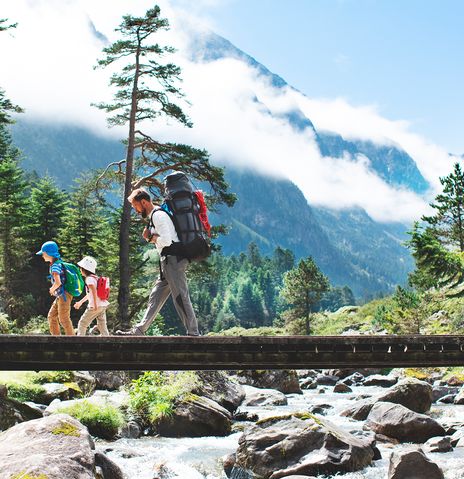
(349, 246)
(390, 162)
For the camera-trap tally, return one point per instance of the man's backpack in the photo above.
(187, 209)
(103, 287)
(73, 280)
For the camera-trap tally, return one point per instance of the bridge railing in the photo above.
(227, 352)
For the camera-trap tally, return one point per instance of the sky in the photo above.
(384, 71)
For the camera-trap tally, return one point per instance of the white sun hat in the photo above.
(88, 263)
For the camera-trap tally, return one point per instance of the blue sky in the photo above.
(404, 56)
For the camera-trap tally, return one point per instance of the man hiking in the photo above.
(172, 279)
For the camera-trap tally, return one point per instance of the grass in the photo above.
(101, 421)
(27, 385)
(153, 395)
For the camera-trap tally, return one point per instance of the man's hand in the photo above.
(77, 305)
(146, 234)
(52, 291)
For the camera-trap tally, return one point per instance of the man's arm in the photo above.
(164, 228)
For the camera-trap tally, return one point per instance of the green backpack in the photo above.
(73, 280)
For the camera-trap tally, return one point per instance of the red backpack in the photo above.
(103, 287)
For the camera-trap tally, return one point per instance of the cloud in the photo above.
(239, 117)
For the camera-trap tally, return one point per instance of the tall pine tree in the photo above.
(146, 90)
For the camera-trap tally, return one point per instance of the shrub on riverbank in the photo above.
(101, 420)
(154, 394)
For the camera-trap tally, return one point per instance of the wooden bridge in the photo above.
(226, 352)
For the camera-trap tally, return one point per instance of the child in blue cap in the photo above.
(60, 311)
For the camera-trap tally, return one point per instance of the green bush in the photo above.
(25, 391)
(153, 395)
(262, 331)
(4, 324)
(101, 421)
(52, 377)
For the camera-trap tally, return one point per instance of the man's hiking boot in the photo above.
(130, 332)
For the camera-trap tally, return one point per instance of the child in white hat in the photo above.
(96, 308)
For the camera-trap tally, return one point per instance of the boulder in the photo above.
(412, 464)
(13, 412)
(411, 393)
(110, 380)
(300, 444)
(109, 469)
(131, 430)
(308, 383)
(85, 381)
(438, 444)
(344, 373)
(63, 392)
(216, 385)
(355, 378)
(456, 437)
(284, 380)
(360, 410)
(379, 380)
(195, 416)
(448, 399)
(57, 446)
(396, 421)
(455, 381)
(326, 380)
(263, 397)
(342, 388)
(244, 416)
(440, 391)
(459, 399)
(319, 409)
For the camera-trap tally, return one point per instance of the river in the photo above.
(200, 458)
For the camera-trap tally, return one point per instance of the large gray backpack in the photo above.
(181, 203)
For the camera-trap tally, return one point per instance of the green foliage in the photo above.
(25, 475)
(5, 327)
(435, 265)
(303, 289)
(12, 247)
(43, 377)
(24, 391)
(448, 222)
(154, 394)
(263, 331)
(101, 420)
(66, 429)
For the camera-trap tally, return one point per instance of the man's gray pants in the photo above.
(172, 280)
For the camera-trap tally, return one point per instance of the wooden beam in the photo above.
(226, 352)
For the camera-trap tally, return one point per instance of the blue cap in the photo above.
(51, 248)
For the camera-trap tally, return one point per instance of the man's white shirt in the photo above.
(162, 225)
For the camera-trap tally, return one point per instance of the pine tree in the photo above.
(146, 91)
(83, 221)
(303, 288)
(12, 245)
(448, 222)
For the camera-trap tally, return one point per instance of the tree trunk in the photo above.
(124, 228)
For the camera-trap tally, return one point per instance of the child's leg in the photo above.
(88, 316)
(53, 322)
(64, 314)
(101, 323)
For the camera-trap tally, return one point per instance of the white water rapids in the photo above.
(200, 458)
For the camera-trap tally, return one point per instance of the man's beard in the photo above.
(144, 213)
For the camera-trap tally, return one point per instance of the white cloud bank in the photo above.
(47, 68)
